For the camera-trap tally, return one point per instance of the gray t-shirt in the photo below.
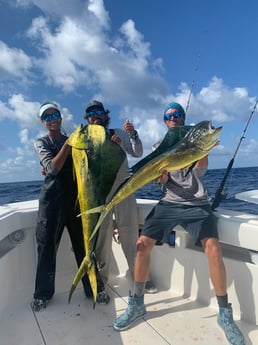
(186, 187)
(47, 149)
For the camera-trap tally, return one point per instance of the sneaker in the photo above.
(134, 311)
(102, 297)
(226, 322)
(150, 287)
(39, 304)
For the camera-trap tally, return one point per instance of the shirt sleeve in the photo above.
(46, 155)
(131, 145)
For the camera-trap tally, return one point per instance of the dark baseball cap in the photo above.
(94, 105)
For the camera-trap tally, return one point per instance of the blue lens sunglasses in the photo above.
(176, 115)
(96, 112)
(50, 117)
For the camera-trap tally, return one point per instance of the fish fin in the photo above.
(94, 231)
(100, 220)
(87, 266)
(97, 209)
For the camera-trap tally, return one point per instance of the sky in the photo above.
(136, 57)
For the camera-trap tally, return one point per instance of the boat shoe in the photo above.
(102, 297)
(134, 311)
(226, 322)
(39, 304)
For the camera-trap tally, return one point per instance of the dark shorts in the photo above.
(199, 221)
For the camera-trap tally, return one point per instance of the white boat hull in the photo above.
(184, 310)
(249, 196)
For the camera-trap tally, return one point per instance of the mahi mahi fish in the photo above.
(96, 160)
(174, 154)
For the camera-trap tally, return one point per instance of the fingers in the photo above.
(163, 177)
(129, 128)
(116, 139)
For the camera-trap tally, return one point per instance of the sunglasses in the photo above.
(176, 115)
(96, 112)
(50, 117)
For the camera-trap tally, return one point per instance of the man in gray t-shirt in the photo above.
(184, 201)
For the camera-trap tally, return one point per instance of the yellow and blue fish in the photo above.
(172, 154)
(96, 161)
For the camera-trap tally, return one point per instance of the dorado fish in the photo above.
(196, 144)
(96, 161)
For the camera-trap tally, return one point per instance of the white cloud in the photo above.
(80, 53)
(136, 49)
(24, 136)
(54, 7)
(19, 167)
(13, 62)
(23, 111)
(97, 8)
(25, 114)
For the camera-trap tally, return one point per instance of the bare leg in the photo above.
(216, 265)
(142, 260)
(218, 277)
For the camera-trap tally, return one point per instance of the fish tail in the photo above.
(73, 287)
(97, 226)
(79, 275)
(87, 266)
(93, 283)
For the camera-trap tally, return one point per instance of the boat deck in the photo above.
(172, 316)
(170, 319)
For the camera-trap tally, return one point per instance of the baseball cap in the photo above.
(94, 105)
(46, 106)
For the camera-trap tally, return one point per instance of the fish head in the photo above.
(77, 138)
(81, 138)
(204, 135)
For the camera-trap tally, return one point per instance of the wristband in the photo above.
(134, 136)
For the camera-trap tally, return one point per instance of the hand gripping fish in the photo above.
(96, 161)
(172, 154)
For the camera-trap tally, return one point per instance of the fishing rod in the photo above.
(220, 193)
(193, 82)
(194, 75)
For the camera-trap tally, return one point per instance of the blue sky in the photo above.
(135, 56)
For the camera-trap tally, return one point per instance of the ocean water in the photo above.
(239, 180)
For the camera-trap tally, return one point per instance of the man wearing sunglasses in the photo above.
(56, 208)
(125, 212)
(184, 201)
